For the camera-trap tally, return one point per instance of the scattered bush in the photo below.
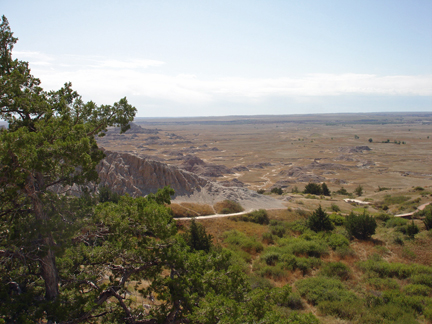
(359, 190)
(336, 269)
(384, 269)
(427, 213)
(343, 191)
(319, 221)
(396, 221)
(422, 279)
(337, 241)
(260, 191)
(344, 252)
(267, 238)
(239, 239)
(412, 229)
(278, 230)
(257, 216)
(277, 191)
(383, 283)
(393, 200)
(360, 226)
(228, 207)
(383, 217)
(337, 220)
(302, 247)
(335, 208)
(417, 290)
(320, 289)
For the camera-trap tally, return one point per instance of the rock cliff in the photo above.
(127, 173)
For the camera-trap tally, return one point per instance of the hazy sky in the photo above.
(236, 57)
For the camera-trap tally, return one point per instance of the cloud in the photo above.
(105, 80)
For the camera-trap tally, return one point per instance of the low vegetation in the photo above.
(227, 207)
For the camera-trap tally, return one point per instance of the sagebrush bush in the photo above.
(396, 221)
(227, 207)
(301, 247)
(383, 283)
(384, 269)
(344, 309)
(417, 290)
(336, 241)
(422, 279)
(246, 243)
(320, 289)
(336, 269)
(337, 220)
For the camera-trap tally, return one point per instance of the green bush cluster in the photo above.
(238, 239)
(337, 220)
(257, 216)
(384, 269)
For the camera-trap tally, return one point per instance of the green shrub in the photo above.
(343, 191)
(427, 213)
(337, 220)
(257, 282)
(360, 226)
(383, 283)
(320, 289)
(277, 191)
(267, 237)
(336, 241)
(417, 290)
(270, 258)
(239, 239)
(298, 226)
(319, 221)
(422, 279)
(336, 269)
(344, 309)
(278, 230)
(293, 301)
(384, 269)
(383, 217)
(228, 207)
(412, 229)
(393, 200)
(344, 252)
(257, 216)
(335, 207)
(301, 247)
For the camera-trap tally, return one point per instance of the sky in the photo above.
(232, 57)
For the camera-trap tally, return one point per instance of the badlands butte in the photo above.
(211, 159)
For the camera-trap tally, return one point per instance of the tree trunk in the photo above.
(47, 263)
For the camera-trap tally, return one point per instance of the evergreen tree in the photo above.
(197, 238)
(313, 188)
(50, 142)
(325, 190)
(319, 221)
